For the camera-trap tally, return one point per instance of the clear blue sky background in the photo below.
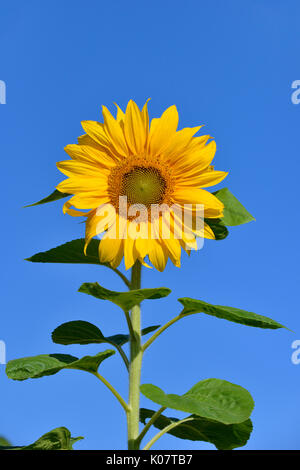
(226, 64)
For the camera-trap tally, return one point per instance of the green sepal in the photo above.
(223, 436)
(55, 196)
(57, 439)
(83, 332)
(214, 399)
(234, 212)
(232, 314)
(125, 300)
(49, 364)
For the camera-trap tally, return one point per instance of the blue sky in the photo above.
(228, 65)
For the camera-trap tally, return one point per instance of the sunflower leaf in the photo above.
(214, 399)
(235, 315)
(218, 227)
(223, 436)
(57, 439)
(4, 442)
(73, 253)
(55, 196)
(49, 364)
(234, 212)
(125, 300)
(70, 252)
(83, 332)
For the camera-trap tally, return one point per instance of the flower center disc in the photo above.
(143, 185)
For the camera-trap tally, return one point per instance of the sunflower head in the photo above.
(141, 186)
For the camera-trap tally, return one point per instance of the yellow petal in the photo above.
(111, 251)
(145, 117)
(196, 159)
(142, 247)
(95, 131)
(88, 200)
(76, 184)
(212, 206)
(179, 142)
(183, 232)
(197, 196)
(143, 263)
(205, 179)
(174, 248)
(162, 130)
(85, 139)
(185, 247)
(79, 168)
(207, 232)
(72, 212)
(198, 142)
(114, 132)
(158, 255)
(89, 154)
(97, 222)
(130, 253)
(120, 114)
(105, 147)
(134, 129)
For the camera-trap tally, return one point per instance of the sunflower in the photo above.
(123, 164)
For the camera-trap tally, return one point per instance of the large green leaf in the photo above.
(223, 436)
(73, 252)
(49, 364)
(70, 252)
(57, 439)
(4, 442)
(218, 227)
(234, 212)
(77, 332)
(125, 300)
(235, 315)
(83, 332)
(55, 196)
(214, 399)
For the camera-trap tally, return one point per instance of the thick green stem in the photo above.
(136, 354)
